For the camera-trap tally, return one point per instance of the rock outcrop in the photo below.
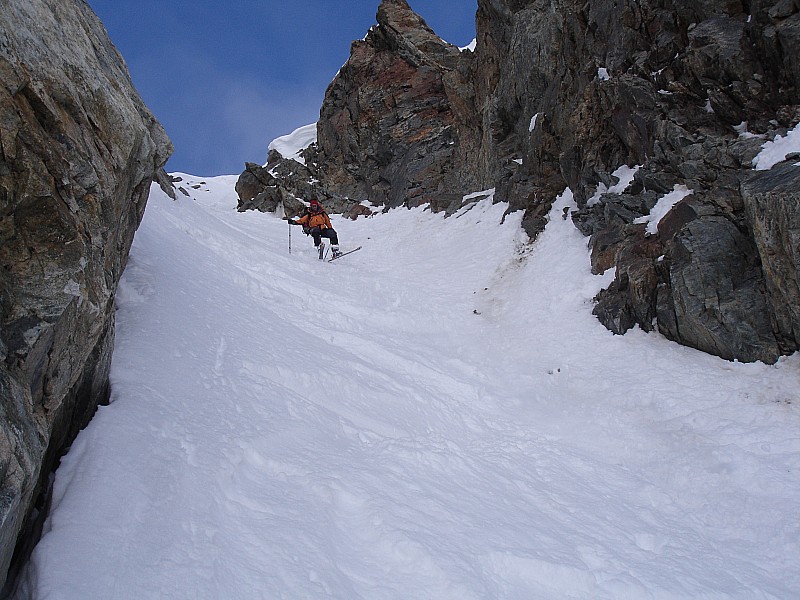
(683, 90)
(397, 123)
(686, 91)
(398, 127)
(78, 151)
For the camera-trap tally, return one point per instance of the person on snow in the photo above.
(317, 224)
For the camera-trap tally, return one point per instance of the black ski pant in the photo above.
(318, 233)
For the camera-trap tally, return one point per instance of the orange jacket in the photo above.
(318, 219)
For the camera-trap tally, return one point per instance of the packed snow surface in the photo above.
(436, 416)
(291, 145)
(665, 204)
(776, 151)
(624, 175)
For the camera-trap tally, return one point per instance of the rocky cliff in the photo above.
(687, 91)
(561, 93)
(398, 126)
(78, 150)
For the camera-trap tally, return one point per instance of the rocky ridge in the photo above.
(562, 94)
(78, 151)
(397, 127)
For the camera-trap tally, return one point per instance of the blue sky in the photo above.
(226, 78)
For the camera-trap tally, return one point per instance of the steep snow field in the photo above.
(436, 416)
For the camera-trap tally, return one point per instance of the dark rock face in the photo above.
(772, 206)
(715, 298)
(563, 93)
(78, 150)
(391, 126)
(703, 283)
(660, 85)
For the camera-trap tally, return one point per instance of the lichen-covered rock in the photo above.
(78, 151)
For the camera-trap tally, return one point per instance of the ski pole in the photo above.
(290, 236)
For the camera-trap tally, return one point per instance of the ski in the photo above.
(344, 254)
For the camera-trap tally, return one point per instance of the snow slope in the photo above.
(436, 416)
(776, 151)
(291, 145)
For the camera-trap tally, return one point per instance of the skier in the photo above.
(317, 224)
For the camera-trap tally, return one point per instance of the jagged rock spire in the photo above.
(391, 119)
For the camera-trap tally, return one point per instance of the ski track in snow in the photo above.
(436, 416)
